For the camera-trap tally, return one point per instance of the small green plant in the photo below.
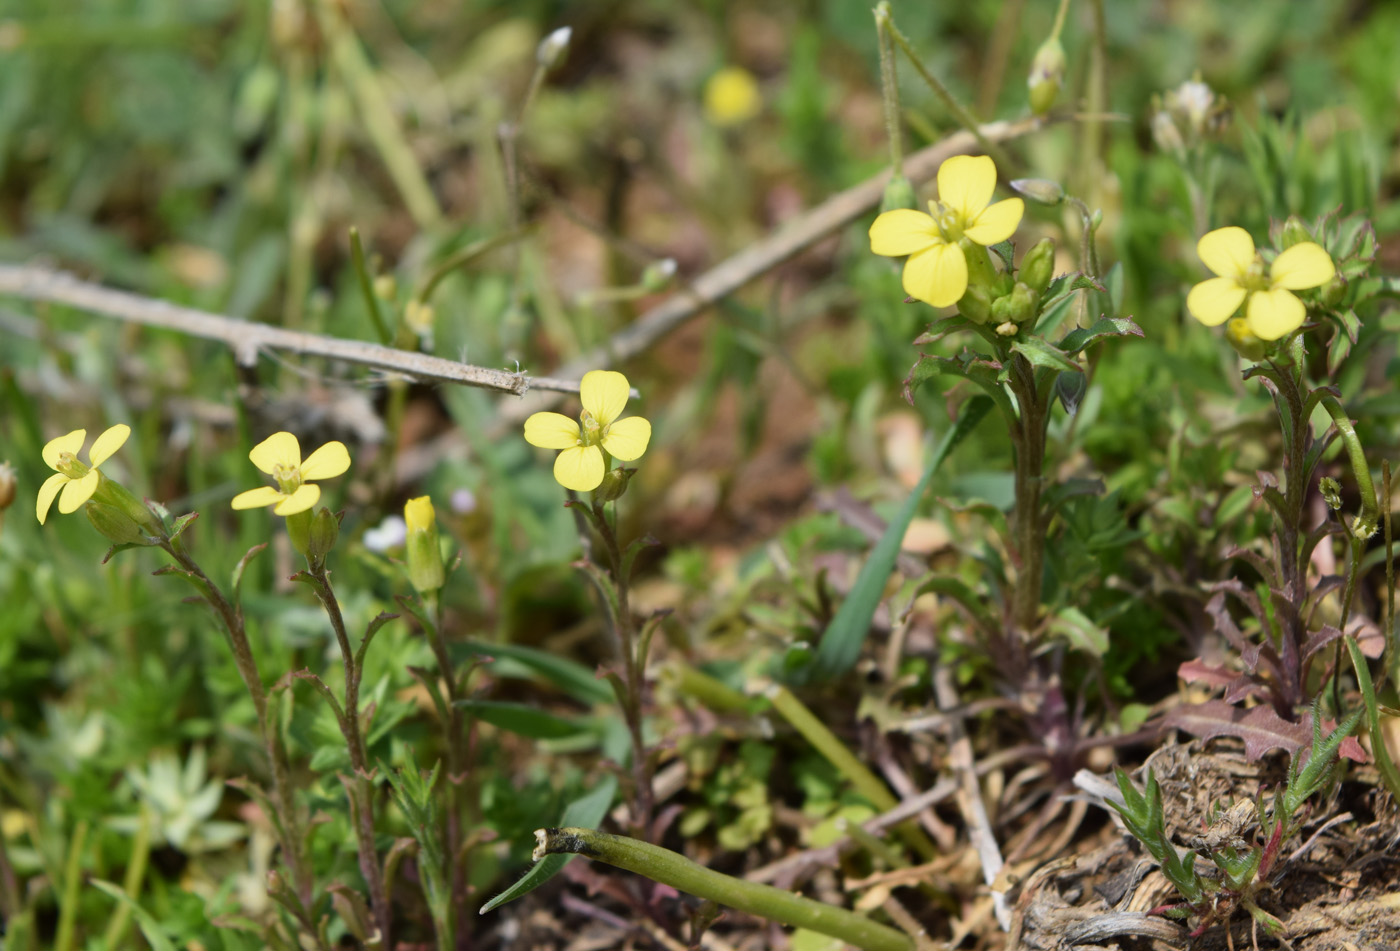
(1245, 872)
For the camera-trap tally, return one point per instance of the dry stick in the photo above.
(762, 256)
(247, 338)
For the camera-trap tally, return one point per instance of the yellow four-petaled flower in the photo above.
(78, 481)
(279, 455)
(581, 466)
(1271, 309)
(936, 271)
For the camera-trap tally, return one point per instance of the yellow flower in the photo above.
(279, 455)
(77, 481)
(421, 550)
(731, 96)
(1271, 308)
(936, 271)
(598, 433)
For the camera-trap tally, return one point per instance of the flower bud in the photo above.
(325, 529)
(614, 484)
(7, 485)
(899, 193)
(1165, 133)
(1018, 307)
(1070, 388)
(1331, 493)
(1293, 233)
(1038, 266)
(1046, 76)
(419, 317)
(424, 555)
(980, 272)
(1007, 329)
(976, 305)
(1246, 344)
(658, 274)
(552, 48)
(299, 532)
(116, 525)
(1040, 190)
(1333, 292)
(386, 287)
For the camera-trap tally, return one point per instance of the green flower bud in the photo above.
(1040, 190)
(1245, 343)
(325, 529)
(299, 532)
(614, 485)
(980, 272)
(116, 525)
(1331, 493)
(119, 497)
(658, 274)
(1046, 76)
(1333, 292)
(1293, 233)
(421, 548)
(1017, 307)
(1038, 266)
(899, 193)
(976, 305)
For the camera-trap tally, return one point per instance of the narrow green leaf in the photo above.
(587, 812)
(521, 718)
(514, 660)
(840, 645)
(150, 927)
(1077, 340)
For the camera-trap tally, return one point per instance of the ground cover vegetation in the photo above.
(699, 475)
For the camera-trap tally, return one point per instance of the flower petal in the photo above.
(78, 491)
(1227, 251)
(329, 461)
(627, 439)
(299, 501)
(579, 468)
(1213, 301)
(966, 183)
(551, 431)
(1302, 266)
(1274, 314)
(604, 393)
(279, 449)
(46, 493)
(108, 443)
(70, 443)
(903, 231)
(937, 276)
(257, 498)
(997, 222)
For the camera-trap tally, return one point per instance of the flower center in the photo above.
(1256, 277)
(591, 432)
(950, 223)
(288, 478)
(69, 465)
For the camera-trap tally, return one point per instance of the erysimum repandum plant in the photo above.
(961, 222)
(595, 437)
(1265, 290)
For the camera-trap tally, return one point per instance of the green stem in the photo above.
(1059, 20)
(670, 868)
(964, 118)
(1091, 151)
(1027, 520)
(131, 882)
(829, 745)
(1365, 524)
(454, 736)
(1386, 766)
(357, 257)
(889, 88)
(72, 885)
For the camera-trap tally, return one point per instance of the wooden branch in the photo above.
(247, 338)
(762, 256)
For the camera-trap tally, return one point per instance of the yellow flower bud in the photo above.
(1246, 344)
(732, 96)
(424, 555)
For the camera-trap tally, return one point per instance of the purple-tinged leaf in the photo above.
(1261, 729)
(1197, 671)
